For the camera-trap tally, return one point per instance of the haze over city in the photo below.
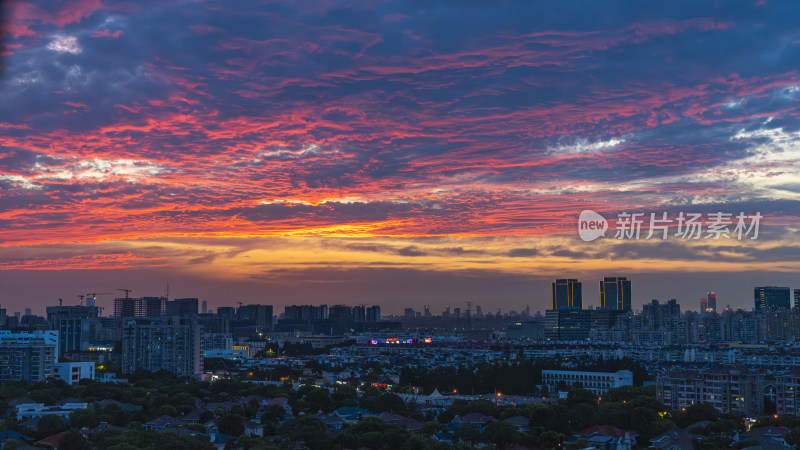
(397, 154)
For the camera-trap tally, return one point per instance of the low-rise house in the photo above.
(253, 428)
(37, 410)
(162, 423)
(412, 424)
(522, 424)
(606, 437)
(351, 413)
(7, 435)
(283, 402)
(391, 418)
(331, 421)
(475, 419)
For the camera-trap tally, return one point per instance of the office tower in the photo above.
(615, 293)
(428, 310)
(3, 318)
(162, 343)
(374, 314)
(767, 297)
(796, 299)
(446, 312)
(457, 313)
(28, 312)
(409, 313)
(77, 326)
(712, 303)
(478, 311)
(204, 308)
(28, 357)
(181, 307)
(567, 324)
(567, 294)
(703, 305)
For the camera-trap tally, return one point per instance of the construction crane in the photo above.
(60, 302)
(81, 297)
(126, 291)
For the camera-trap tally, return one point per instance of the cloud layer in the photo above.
(460, 136)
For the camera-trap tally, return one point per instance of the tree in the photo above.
(306, 429)
(390, 403)
(49, 425)
(549, 439)
(232, 425)
(431, 428)
(580, 395)
(168, 410)
(501, 434)
(468, 434)
(73, 440)
(205, 416)
(84, 418)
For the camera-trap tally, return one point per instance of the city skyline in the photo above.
(393, 154)
(110, 301)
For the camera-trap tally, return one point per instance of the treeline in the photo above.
(515, 378)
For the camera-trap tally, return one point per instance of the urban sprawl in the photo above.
(155, 372)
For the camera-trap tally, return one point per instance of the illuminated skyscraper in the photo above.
(567, 294)
(767, 297)
(615, 293)
(712, 303)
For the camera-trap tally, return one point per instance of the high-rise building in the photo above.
(139, 307)
(428, 310)
(77, 326)
(359, 313)
(28, 357)
(204, 308)
(478, 312)
(259, 315)
(162, 343)
(567, 324)
(28, 312)
(374, 314)
(797, 298)
(567, 294)
(767, 297)
(615, 293)
(306, 312)
(711, 303)
(181, 307)
(124, 307)
(409, 313)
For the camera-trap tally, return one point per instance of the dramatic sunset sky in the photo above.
(393, 152)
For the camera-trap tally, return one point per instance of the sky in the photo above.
(398, 153)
